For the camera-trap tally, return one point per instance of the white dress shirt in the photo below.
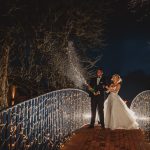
(98, 80)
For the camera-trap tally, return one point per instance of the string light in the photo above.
(46, 120)
(141, 106)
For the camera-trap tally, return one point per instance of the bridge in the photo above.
(49, 121)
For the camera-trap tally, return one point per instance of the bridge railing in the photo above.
(44, 122)
(141, 106)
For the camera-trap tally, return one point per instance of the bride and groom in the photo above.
(113, 112)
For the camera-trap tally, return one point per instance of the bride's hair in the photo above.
(119, 78)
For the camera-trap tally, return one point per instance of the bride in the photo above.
(116, 113)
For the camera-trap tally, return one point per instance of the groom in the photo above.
(97, 89)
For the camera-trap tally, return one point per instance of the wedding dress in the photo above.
(117, 115)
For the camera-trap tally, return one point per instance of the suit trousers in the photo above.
(97, 103)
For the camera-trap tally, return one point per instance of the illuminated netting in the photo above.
(141, 106)
(44, 122)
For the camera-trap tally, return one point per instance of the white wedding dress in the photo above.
(117, 115)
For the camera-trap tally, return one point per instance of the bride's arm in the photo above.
(118, 86)
(113, 88)
(110, 88)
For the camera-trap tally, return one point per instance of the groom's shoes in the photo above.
(103, 128)
(91, 126)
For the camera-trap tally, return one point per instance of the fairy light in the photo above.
(141, 106)
(46, 119)
(87, 116)
(13, 94)
(13, 91)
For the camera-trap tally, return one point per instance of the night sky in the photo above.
(127, 50)
(128, 43)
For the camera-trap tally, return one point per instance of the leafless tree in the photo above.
(51, 47)
(6, 43)
(139, 7)
(3, 78)
(137, 3)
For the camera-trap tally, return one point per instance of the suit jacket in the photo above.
(100, 87)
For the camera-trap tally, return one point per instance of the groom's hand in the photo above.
(97, 93)
(125, 101)
(106, 86)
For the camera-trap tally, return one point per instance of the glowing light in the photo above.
(87, 116)
(47, 119)
(143, 118)
(141, 106)
(13, 91)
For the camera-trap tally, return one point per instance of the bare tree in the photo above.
(3, 78)
(141, 8)
(137, 3)
(50, 47)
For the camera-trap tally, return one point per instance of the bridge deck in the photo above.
(98, 139)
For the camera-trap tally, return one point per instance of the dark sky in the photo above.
(128, 49)
(128, 42)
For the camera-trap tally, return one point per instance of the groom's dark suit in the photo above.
(97, 101)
